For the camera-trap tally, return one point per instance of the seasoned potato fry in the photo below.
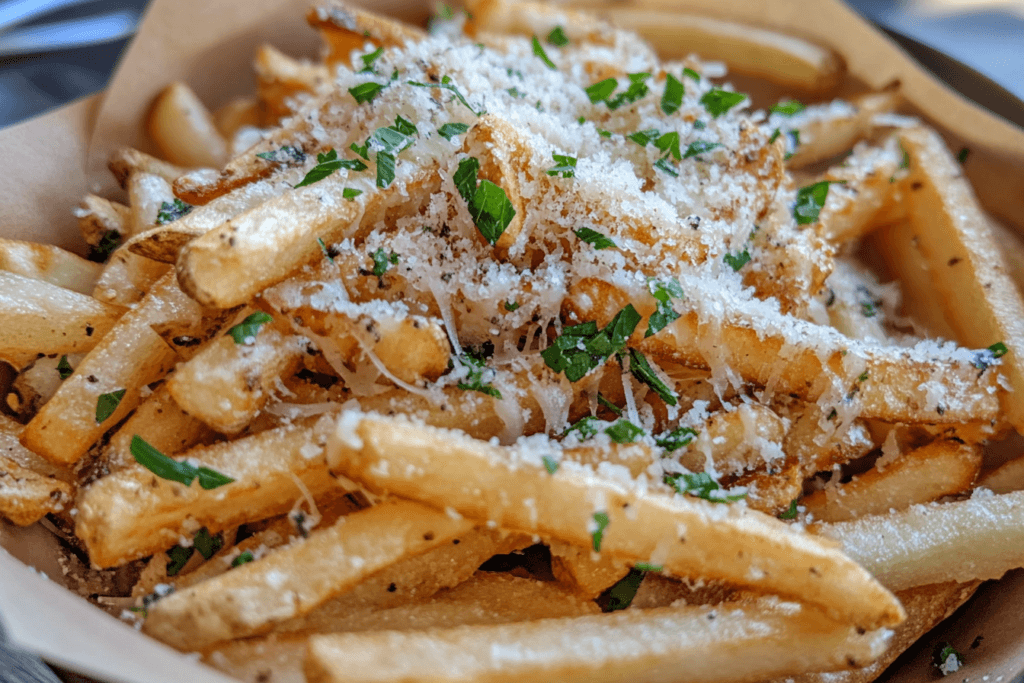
(238, 113)
(823, 134)
(587, 573)
(345, 28)
(183, 129)
(279, 79)
(1006, 478)
(125, 162)
(740, 642)
(292, 581)
(50, 264)
(26, 496)
(102, 221)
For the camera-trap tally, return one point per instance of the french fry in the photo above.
(292, 581)
(981, 301)
(685, 535)
(147, 193)
(345, 28)
(11, 448)
(771, 489)
(125, 162)
(586, 573)
(183, 129)
(1006, 478)
(941, 468)
(863, 185)
(100, 219)
(742, 439)
(126, 278)
(239, 113)
(923, 544)
(26, 496)
(44, 318)
(132, 513)
(131, 356)
(39, 381)
(735, 642)
(280, 79)
(823, 134)
(49, 264)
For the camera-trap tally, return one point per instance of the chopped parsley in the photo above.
(450, 130)
(566, 166)
(369, 58)
(366, 92)
(479, 377)
(863, 376)
(595, 239)
(602, 90)
(585, 428)
(621, 595)
(946, 659)
(601, 520)
(718, 101)
(644, 137)
(206, 544)
(245, 332)
(326, 164)
(538, 51)
(581, 348)
(669, 144)
(701, 485)
(609, 405)
(792, 142)
(665, 165)
(172, 211)
(642, 370)
(998, 350)
(869, 304)
(64, 368)
(672, 98)
(690, 73)
(350, 193)
(286, 154)
(676, 439)
(699, 125)
(737, 260)
(648, 567)
(106, 404)
(963, 154)
(488, 204)
(323, 248)
(102, 250)
(700, 147)
(788, 107)
(173, 470)
(775, 135)
(663, 292)
(511, 306)
(790, 512)
(179, 557)
(244, 558)
(810, 200)
(983, 359)
(381, 261)
(403, 126)
(362, 150)
(385, 169)
(447, 84)
(516, 93)
(624, 431)
(557, 37)
(550, 464)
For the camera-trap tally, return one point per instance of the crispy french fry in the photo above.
(735, 642)
(101, 219)
(43, 318)
(922, 544)
(11, 448)
(1006, 478)
(345, 28)
(184, 130)
(280, 79)
(125, 162)
(147, 193)
(50, 264)
(26, 496)
(685, 535)
(238, 113)
(745, 438)
(586, 573)
(825, 133)
(292, 581)
(132, 513)
(131, 356)
(942, 468)
(981, 301)
(126, 278)
(863, 185)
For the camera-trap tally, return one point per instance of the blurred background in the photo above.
(53, 51)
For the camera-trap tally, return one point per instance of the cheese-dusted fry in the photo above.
(980, 300)
(726, 643)
(1006, 478)
(26, 496)
(44, 318)
(183, 129)
(860, 187)
(50, 264)
(126, 278)
(108, 382)
(745, 438)
(942, 468)
(125, 162)
(772, 489)
(925, 543)
(503, 153)
(149, 197)
(281, 79)
(11, 448)
(134, 512)
(345, 28)
(238, 113)
(687, 536)
(227, 383)
(828, 130)
(586, 573)
(293, 580)
(102, 223)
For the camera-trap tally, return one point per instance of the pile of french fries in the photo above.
(511, 349)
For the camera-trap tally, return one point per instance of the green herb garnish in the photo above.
(206, 544)
(244, 558)
(665, 165)
(644, 137)
(557, 37)
(106, 404)
(326, 164)
(602, 90)
(790, 512)
(788, 108)
(447, 84)
(669, 144)
(102, 250)
(810, 200)
(450, 130)
(385, 169)
(946, 659)
(636, 90)
(624, 431)
(179, 557)
(488, 204)
(538, 51)
(691, 74)
(581, 348)
(609, 405)
(172, 211)
(350, 193)
(595, 239)
(511, 306)
(64, 368)
(286, 154)
(366, 92)
(962, 155)
(550, 464)
(566, 166)
(663, 291)
(479, 376)
(381, 261)
(701, 485)
(173, 470)
(676, 439)
(642, 370)
(585, 428)
(737, 260)
(672, 98)
(323, 248)
(621, 595)
(369, 58)
(700, 147)
(245, 332)
(718, 101)
(601, 519)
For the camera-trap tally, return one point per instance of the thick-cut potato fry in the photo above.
(724, 644)
(291, 581)
(132, 513)
(50, 264)
(926, 543)
(238, 113)
(11, 448)
(25, 496)
(486, 598)
(100, 218)
(862, 186)
(183, 129)
(942, 468)
(345, 28)
(147, 194)
(279, 79)
(825, 134)
(787, 60)
(503, 152)
(226, 384)
(772, 488)
(1006, 478)
(981, 301)
(586, 572)
(818, 448)
(742, 439)
(42, 318)
(131, 356)
(127, 277)
(657, 590)
(687, 536)
(125, 162)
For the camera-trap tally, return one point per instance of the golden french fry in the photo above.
(981, 301)
(727, 643)
(281, 79)
(102, 221)
(291, 581)
(238, 113)
(50, 264)
(26, 496)
(685, 535)
(828, 130)
(1006, 478)
(126, 278)
(125, 162)
(586, 573)
(183, 129)
(942, 468)
(11, 448)
(345, 28)
(862, 186)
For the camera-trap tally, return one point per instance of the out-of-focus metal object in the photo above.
(58, 35)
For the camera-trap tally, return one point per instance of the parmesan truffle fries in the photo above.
(517, 294)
